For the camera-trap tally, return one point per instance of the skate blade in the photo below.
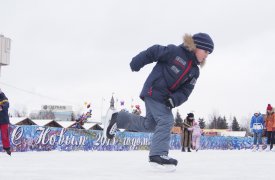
(163, 168)
(107, 121)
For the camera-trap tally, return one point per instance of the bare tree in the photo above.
(19, 112)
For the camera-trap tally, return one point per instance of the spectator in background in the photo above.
(273, 129)
(137, 110)
(196, 135)
(269, 122)
(186, 137)
(4, 122)
(256, 127)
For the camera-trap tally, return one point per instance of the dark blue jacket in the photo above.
(174, 74)
(4, 114)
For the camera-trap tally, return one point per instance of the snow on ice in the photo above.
(133, 165)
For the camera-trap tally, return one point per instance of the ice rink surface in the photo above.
(133, 165)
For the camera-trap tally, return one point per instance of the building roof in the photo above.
(92, 125)
(42, 122)
(21, 121)
(66, 124)
(54, 123)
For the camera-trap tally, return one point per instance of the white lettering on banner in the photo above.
(52, 139)
(16, 135)
(43, 134)
(61, 138)
(45, 138)
(82, 140)
(138, 141)
(127, 141)
(100, 140)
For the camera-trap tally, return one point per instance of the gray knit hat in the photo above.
(203, 41)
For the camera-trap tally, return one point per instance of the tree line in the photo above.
(215, 122)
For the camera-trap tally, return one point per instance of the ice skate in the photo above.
(260, 148)
(110, 126)
(254, 149)
(267, 149)
(183, 149)
(163, 163)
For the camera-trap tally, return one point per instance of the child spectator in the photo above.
(196, 135)
(256, 127)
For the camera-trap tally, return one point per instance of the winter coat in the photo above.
(257, 123)
(186, 136)
(4, 114)
(270, 121)
(174, 74)
(196, 130)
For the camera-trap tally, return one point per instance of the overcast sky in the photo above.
(66, 52)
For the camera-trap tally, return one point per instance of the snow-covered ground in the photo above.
(133, 165)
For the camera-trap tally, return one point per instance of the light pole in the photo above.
(5, 46)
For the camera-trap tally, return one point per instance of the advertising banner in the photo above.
(36, 138)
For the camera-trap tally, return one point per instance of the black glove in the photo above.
(169, 102)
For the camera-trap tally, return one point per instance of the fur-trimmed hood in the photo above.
(189, 43)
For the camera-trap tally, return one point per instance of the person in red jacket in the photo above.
(4, 122)
(269, 121)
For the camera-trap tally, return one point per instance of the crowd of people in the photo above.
(260, 125)
(263, 125)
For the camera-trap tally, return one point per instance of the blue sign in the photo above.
(36, 138)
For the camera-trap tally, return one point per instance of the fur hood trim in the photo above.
(189, 43)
